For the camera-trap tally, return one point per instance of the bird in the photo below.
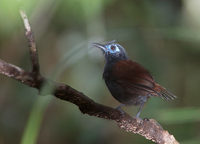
(128, 81)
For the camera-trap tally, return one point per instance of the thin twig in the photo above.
(149, 128)
(32, 45)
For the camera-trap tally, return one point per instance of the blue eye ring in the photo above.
(112, 47)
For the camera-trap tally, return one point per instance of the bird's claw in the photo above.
(120, 109)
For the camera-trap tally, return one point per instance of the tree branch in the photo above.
(149, 128)
(32, 45)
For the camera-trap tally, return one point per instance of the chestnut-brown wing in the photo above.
(136, 80)
(133, 76)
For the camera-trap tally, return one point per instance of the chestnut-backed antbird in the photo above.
(129, 82)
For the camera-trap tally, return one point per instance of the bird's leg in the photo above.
(120, 109)
(139, 111)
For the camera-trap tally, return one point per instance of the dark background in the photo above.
(162, 35)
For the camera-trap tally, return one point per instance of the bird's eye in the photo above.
(112, 47)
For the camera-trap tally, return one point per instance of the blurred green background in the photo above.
(164, 36)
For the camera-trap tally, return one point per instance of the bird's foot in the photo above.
(139, 111)
(138, 116)
(120, 109)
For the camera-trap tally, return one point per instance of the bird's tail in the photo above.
(163, 93)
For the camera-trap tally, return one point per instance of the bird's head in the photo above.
(112, 51)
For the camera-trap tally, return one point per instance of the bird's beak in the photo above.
(102, 47)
